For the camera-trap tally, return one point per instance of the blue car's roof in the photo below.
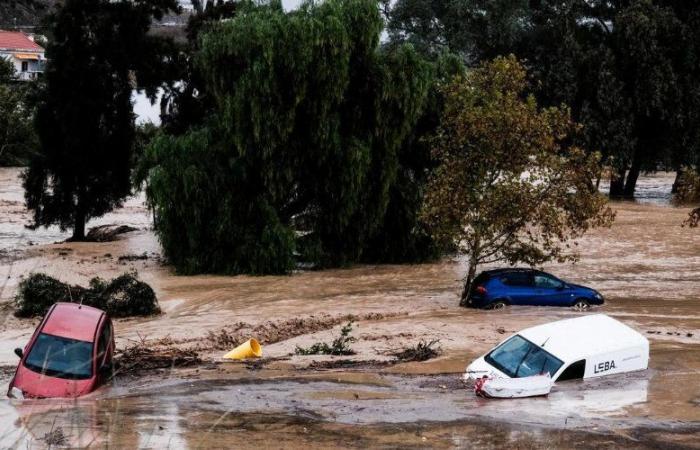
(510, 270)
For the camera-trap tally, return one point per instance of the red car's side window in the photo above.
(103, 342)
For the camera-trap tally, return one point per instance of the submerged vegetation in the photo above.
(422, 351)
(123, 296)
(688, 186)
(339, 346)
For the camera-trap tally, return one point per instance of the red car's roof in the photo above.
(73, 321)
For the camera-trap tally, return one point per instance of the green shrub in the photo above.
(124, 296)
(339, 346)
(39, 291)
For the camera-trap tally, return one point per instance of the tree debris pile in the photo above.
(272, 332)
(55, 438)
(123, 296)
(142, 357)
(423, 351)
(339, 346)
(348, 364)
(107, 233)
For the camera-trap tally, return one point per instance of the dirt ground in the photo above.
(647, 266)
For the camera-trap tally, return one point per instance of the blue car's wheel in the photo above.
(581, 304)
(498, 304)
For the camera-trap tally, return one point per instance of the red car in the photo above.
(69, 355)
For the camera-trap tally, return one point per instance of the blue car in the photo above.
(496, 289)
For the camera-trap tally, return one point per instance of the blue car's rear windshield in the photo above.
(60, 357)
(518, 357)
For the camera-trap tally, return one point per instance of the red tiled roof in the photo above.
(13, 40)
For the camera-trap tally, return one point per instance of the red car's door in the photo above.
(104, 351)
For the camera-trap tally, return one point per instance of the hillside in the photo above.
(24, 13)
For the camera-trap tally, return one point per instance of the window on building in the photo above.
(25, 66)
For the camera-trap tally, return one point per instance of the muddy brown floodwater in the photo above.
(646, 265)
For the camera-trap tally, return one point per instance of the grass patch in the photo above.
(123, 296)
(339, 346)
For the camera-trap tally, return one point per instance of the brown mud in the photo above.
(647, 266)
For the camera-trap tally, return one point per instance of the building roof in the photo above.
(582, 337)
(16, 41)
(71, 320)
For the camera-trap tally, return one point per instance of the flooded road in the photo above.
(646, 266)
(282, 410)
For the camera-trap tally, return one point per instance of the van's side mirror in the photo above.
(19, 352)
(561, 287)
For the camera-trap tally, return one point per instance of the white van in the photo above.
(584, 347)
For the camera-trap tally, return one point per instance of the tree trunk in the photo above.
(677, 181)
(79, 227)
(467, 291)
(617, 183)
(79, 219)
(632, 177)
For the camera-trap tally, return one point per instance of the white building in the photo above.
(26, 55)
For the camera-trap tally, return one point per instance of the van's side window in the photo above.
(574, 372)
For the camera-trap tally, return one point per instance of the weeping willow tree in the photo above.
(301, 152)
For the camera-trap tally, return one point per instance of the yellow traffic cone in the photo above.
(249, 349)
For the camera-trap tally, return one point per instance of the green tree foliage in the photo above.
(303, 147)
(509, 187)
(403, 237)
(7, 71)
(185, 102)
(100, 52)
(17, 138)
(627, 69)
(474, 29)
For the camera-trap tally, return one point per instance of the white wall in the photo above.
(34, 65)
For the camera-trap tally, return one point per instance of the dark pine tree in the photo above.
(101, 50)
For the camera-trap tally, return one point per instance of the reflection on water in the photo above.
(601, 396)
(165, 415)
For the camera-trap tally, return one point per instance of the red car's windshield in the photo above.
(60, 357)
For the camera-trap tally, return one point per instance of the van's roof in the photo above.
(574, 339)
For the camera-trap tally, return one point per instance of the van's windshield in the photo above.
(517, 357)
(60, 357)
